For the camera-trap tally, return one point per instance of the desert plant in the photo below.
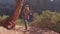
(47, 19)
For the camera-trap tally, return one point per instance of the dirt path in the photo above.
(20, 30)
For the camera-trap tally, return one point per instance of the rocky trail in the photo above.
(32, 30)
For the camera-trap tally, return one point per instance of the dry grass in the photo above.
(47, 19)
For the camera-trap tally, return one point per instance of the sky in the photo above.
(44, 4)
(37, 5)
(7, 1)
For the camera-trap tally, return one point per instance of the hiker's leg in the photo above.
(26, 24)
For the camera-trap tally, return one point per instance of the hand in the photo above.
(30, 13)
